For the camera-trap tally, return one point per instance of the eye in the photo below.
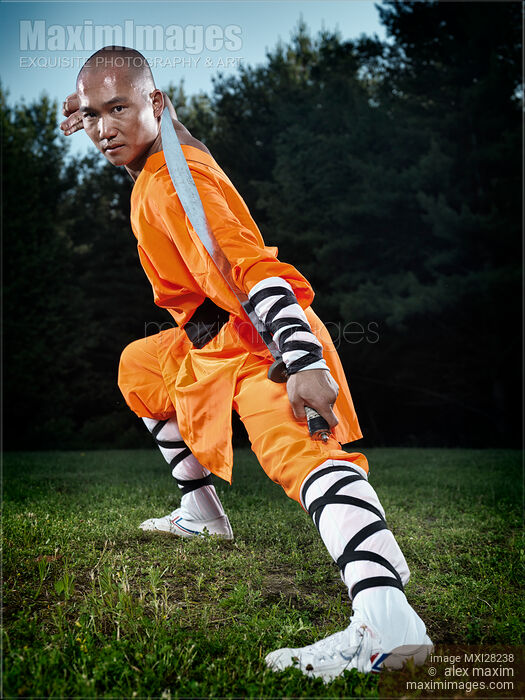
(89, 115)
(118, 108)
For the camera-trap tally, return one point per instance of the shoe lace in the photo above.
(336, 645)
(355, 642)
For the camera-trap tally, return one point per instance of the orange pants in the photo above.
(281, 443)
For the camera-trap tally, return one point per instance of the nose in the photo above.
(106, 129)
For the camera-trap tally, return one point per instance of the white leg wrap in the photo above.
(351, 521)
(199, 498)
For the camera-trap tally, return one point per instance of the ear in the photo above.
(157, 101)
(168, 103)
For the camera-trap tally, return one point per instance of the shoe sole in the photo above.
(186, 534)
(396, 659)
(391, 661)
(189, 537)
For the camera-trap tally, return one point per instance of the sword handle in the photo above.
(277, 372)
(317, 426)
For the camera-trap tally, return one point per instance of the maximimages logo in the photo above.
(37, 35)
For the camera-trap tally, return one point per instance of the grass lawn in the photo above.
(94, 607)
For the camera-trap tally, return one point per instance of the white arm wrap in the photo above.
(276, 306)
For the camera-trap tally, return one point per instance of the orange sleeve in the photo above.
(250, 259)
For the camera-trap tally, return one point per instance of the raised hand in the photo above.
(70, 109)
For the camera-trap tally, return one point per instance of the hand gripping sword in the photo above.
(189, 198)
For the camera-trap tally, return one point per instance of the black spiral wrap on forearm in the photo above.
(312, 350)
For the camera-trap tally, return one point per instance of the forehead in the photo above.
(103, 84)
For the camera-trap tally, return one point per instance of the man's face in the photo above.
(117, 113)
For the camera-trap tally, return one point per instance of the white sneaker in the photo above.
(357, 646)
(176, 524)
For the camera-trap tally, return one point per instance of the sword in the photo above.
(191, 202)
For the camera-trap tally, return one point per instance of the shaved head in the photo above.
(126, 61)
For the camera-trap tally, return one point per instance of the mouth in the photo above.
(113, 148)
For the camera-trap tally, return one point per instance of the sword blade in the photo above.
(188, 195)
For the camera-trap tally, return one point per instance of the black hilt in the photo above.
(317, 426)
(277, 372)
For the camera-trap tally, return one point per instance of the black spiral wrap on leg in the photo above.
(186, 486)
(350, 554)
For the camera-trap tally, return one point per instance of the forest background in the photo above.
(388, 172)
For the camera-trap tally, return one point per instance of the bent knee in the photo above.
(290, 459)
(137, 358)
(140, 380)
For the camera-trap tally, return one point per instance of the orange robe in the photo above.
(202, 384)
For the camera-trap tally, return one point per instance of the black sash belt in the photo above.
(205, 324)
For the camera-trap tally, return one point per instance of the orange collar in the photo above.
(157, 160)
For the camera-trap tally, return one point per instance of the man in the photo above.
(183, 382)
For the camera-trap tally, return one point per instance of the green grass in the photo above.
(93, 607)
